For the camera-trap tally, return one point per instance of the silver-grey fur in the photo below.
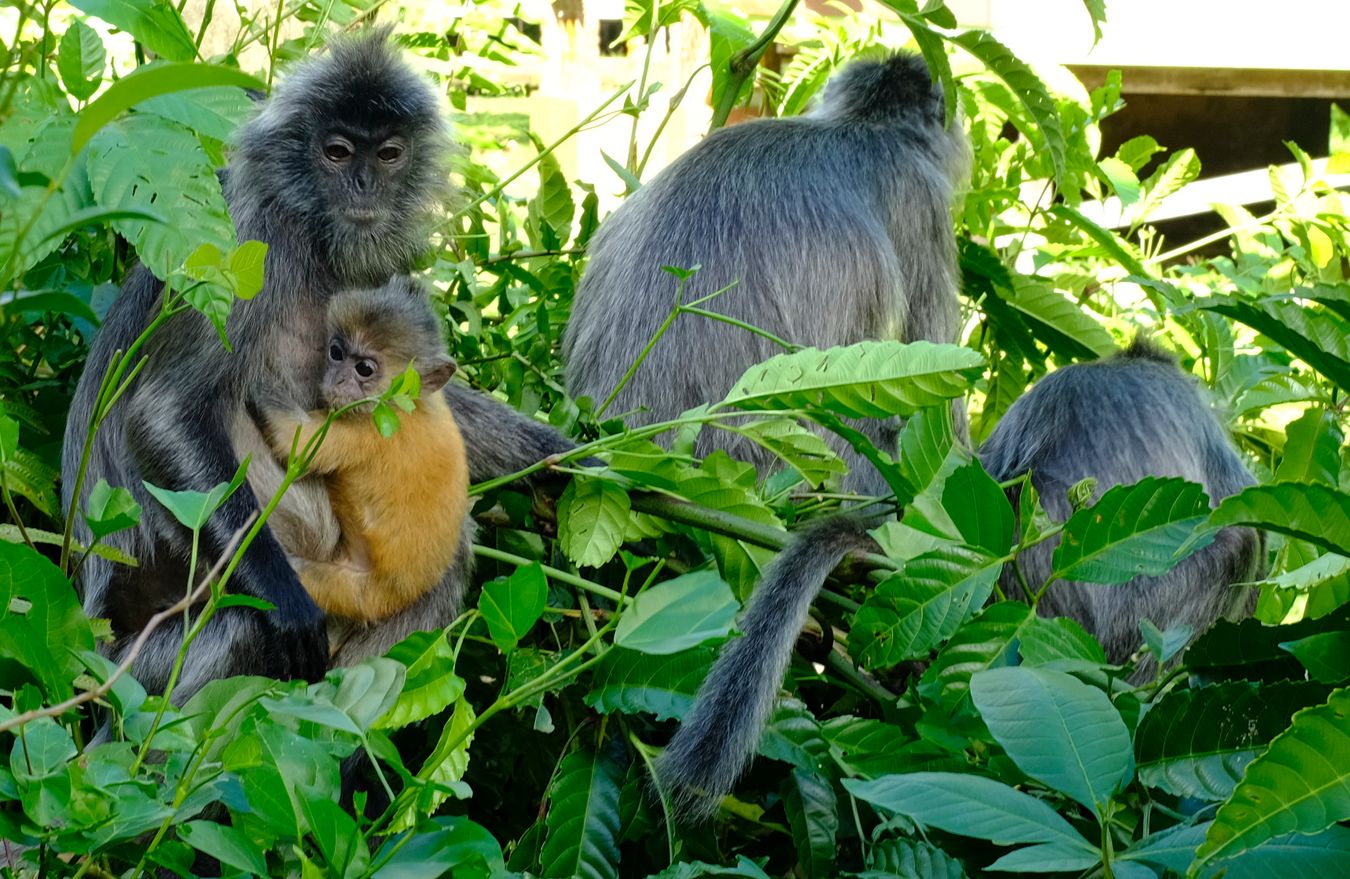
(324, 234)
(835, 226)
(1119, 420)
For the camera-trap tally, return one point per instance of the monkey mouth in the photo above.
(364, 216)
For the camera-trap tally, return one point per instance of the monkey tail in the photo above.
(721, 733)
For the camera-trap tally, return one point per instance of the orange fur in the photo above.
(401, 502)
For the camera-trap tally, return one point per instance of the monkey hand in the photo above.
(300, 629)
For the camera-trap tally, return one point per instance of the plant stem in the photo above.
(561, 576)
(742, 65)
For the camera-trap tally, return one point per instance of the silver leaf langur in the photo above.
(1118, 420)
(341, 174)
(834, 227)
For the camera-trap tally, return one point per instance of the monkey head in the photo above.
(351, 148)
(373, 334)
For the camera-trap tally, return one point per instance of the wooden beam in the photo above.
(1236, 81)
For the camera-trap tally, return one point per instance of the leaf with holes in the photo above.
(1142, 529)
(866, 380)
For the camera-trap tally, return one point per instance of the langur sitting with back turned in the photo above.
(400, 502)
(1118, 420)
(834, 228)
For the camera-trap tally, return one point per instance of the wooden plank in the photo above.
(1237, 81)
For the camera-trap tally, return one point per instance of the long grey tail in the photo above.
(721, 733)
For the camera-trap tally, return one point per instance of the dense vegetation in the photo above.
(521, 738)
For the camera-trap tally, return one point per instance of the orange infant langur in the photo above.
(400, 501)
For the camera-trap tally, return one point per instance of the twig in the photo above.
(139, 644)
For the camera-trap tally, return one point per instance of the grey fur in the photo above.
(1119, 420)
(836, 225)
(719, 736)
(173, 427)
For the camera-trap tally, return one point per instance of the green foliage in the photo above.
(934, 727)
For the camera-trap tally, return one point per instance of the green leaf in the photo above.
(1122, 179)
(42, 751)
(246, 264)
(914, 610)
(1309, 511)
(1326, 656)
(444, 845)
(148, 82)
(988, 641)
(804, 450)
(813, 815)
(583, 817)
(42, 626)
(1057, 730)
(445, 767)
(678, 614)
(978, 508)
(431, 684)
(80, 60)
(1028, 89)
(214, 111)
(1319, 337)
(1295, 786)
(1196, 743)
(148, 164)
(1058, 321)
(110, 510)
(510, 606)
(664, 686)
(193, 508)
(1294, 856)
(1046, 641)
(866, 380)
(1045, 858)
(154, 24)
(912, 859)
(552, 207)
(969, 805)
(592, 514)
(230, 846)
(1312, 450)
(1142, 529)
(1180, 169)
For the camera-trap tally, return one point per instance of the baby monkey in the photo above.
(399, 501)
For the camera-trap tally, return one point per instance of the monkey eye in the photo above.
(390, 152)
(365, 368)
(337, 151)
(334, 353)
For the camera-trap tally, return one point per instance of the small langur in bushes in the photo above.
(401, 521)
(341, 174)
(1119, 420)
(833, 228)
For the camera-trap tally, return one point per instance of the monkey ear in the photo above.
(436, 373)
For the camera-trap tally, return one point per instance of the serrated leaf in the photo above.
(913, 611)
(865, 380)
(214, 111)
(678, 614)
(430, 685)
(1142, 529)
(1059, 322)
(663, 686)
(511, 606)
(583, 817)
(1057, 730)
(1046, 858)
(969, 805)
(1196, 743)
(1309, 511)
(445, 767)
(592, 516)
(80, 60)
(1180, 169)
(987, 641)
(1317, 336)
(912, 859)
(802, 449)
(1297, 785)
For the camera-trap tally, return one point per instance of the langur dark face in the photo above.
(351, 374)
(364, 173)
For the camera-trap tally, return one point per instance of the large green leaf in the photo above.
(148, 163)
(583, 817)
(987, 641)
(1313, 512)
(48, 155)
(1295, 856)
(215, 111)
(1145, 528)
(1058, 321)
(1300, 784)
(970, 805)
(592, 515)
(41, 623)
(1058, 730)
(1196, 743)
(678, 614)
(869, 379)
(978, 508)
(1312, 449)
(154, 23)
(630, 682)
(913, 611)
